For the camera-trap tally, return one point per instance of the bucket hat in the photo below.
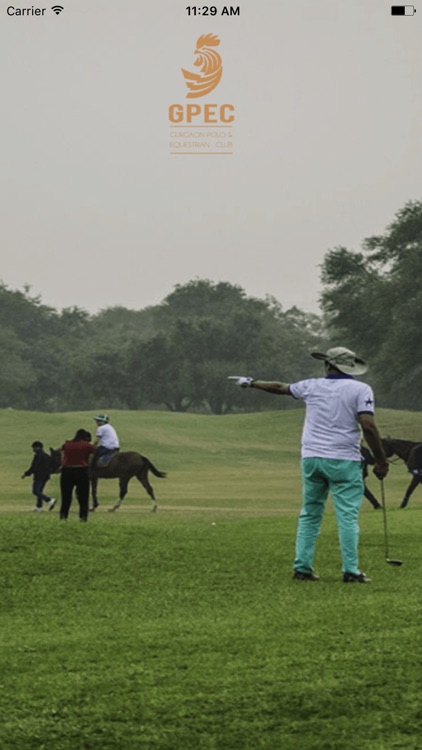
(343, 359)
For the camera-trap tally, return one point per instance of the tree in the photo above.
(160, 374)
(373, 300)
(25, 314)
(17, 376)
(211, 330)
(400, 358)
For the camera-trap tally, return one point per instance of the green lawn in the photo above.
(247, 461)
(184, 628)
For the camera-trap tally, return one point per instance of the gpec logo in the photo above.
(204, 82)
(201, 84)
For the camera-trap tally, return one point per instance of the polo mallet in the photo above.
(384, 513)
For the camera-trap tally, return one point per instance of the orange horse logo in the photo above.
(204, 82)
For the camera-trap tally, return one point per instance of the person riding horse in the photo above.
(107, 442)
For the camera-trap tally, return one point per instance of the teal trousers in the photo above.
(344, 482)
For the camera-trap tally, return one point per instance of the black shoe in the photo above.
(355, 578)
(299, 576)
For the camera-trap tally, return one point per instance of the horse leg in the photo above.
(123, 483)
(142, 477)
(94, 483)
(372, 499)
(412, 486)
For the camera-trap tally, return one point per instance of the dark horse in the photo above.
(123, 466)
(368, 459)
(411, 453)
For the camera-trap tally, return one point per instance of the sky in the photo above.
(97, 209)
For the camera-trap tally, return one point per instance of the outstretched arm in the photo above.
(272, 386)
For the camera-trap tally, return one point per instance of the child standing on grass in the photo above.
(40, 470)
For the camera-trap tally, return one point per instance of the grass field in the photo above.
(184, 628)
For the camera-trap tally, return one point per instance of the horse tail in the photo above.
(155, 471)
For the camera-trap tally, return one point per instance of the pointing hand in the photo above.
(240, 380)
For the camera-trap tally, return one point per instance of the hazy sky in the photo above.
(96, 212)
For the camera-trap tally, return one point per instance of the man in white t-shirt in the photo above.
(107, 442)
(338, 409)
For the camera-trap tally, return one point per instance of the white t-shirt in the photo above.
(331, 428)
(108, 436)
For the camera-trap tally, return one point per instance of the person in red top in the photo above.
(74, 473)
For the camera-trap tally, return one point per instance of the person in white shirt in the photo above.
(338, 409)
(107, 441)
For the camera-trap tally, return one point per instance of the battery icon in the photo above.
(403, 10)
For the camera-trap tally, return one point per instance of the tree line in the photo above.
(177, 355)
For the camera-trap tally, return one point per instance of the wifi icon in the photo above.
(57, 9)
